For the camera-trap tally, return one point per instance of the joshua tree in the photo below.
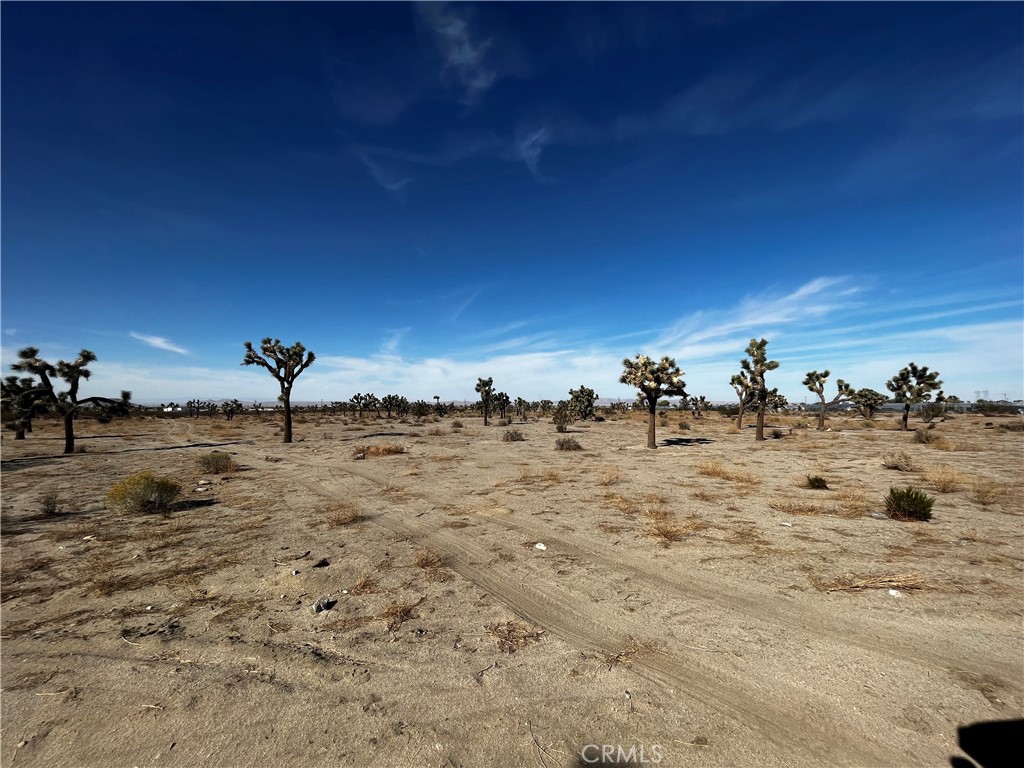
(372, 401)
(231, 407)
(390, 403)
(285, 364)
(913, 385)
(66, 403)
(420, 408)
(654, 381)
(544, 406)
(485, 388)
(358, 401)
(815, 382)
(502, 401)
(20, 403)
(868, 401)
(745, 391)
(756, 365)
(581, 403)
(698, 405)
(521, 407)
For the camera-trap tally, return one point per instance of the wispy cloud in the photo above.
(159, 342)
(383, 176)
(463, 52)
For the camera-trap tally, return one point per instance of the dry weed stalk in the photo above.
(512, 636)
(945, 479)
(434, 565)
(627, 654)
(396, 615)
(366, 585)
(905, 581)
(720, 471)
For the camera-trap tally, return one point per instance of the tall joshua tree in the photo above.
(653, 382)
(285, 364)
(755, 365)
(815, 382)
(20, 403)
(913, 385)
(485, 388)
(66, 403)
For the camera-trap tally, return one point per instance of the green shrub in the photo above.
(567, 444)
(512, 436)
(144, 492)
(908, 504)
(217, 462)
(817, 483)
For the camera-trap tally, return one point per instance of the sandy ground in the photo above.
(191, 639)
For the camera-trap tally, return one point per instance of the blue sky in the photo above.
(428, 193)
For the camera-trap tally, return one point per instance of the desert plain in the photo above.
(497, 603)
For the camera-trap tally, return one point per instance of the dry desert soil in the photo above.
(505, 603)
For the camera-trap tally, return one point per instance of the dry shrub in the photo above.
(217, 462)
(905, 581)
(366, 585)
(608, 476)
(852, 503)
(435, 432)
(627, 654)
(397, 614)
(621, 503)
(342, 515)
(988, 492)
(945, 479)
(382, 449)
(901, 461)
(512, 436)
(51, 505)
(512, 636)
(144, 492)
(816, 482)
(432, 564)
(567, 444)
(719, 470)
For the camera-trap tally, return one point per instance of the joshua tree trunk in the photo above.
(821, 418)
(762, 403)
(652, 415)
(19, 433)
(286, 398)
(906, 415)
(739, 418)
(69, 433)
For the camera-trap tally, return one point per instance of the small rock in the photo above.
(788, 525)
(324, 604)
(540, 546)
(296, 572)
(359, 456)
(322, 563)
(895, 593)
(879, 515)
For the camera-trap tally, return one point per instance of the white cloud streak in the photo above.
(159, 342)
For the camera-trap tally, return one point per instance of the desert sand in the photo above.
(507, 604)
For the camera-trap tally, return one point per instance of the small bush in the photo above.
(217, 462)
(567, 444)
(926, 436)
(512, 436)
(898, 460)
(988, 492)
(384, 449)
(457, 425)
(502, 422)
(144, 492)
(778, 434)
(817, 483)
(945, 479)
(683, 426)
(50, 505)
(908, 504)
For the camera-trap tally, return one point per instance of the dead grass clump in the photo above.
(512, 436)
(853, 503)
(51, 505)
(366, 585)
(705, 496)
(396, 615)
(945, 479)
(433, 564)
(608, 476)
(627, 654)
(668, 529)
(625, 506)
(905, 581)
(512, 636)
(567, 444)
(435, 432)
(381, 449)
(988, 492)
(342, 515)
(217, 462)
(720, 471)
(901, 461)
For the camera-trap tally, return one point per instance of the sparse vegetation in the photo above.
(908, 504)
(51, 505)
(903, 581)
(144, 493)
(567, 444)
(901, 461)
(512, 436)
(719, 470)
(379, 449)
(217, 462)
(512, 636)
(945, 479)
(817, 483)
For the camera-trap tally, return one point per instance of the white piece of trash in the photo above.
(895, 593)
(788, 525)
(538, 545)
